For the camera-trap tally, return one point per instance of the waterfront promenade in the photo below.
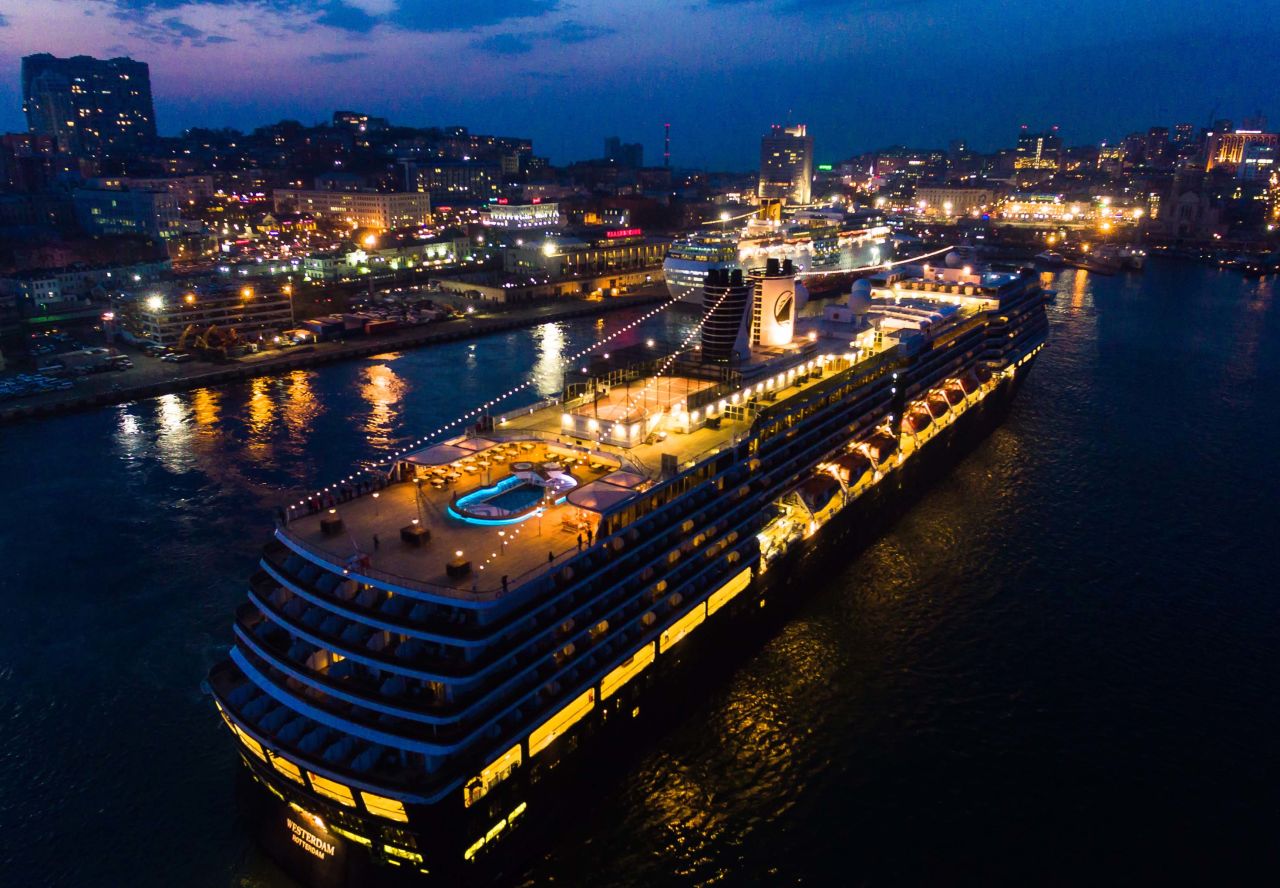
(150, 378)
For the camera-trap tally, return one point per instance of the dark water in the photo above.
(1060, 667)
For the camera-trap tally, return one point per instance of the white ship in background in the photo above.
(820, 243)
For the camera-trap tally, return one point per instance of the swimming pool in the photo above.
(517, 499)
(511, 500)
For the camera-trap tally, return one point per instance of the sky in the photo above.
(863, 74)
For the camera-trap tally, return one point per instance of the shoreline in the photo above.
(57, 403)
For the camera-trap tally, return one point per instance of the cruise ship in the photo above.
(435, 662)
(827, 248)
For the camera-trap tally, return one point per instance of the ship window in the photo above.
(492, 774)
(627, 670)
(402, 853)
(331, 789)
(474, 849)
(252, 745)
(391, 809)
(352, 836)
(288, 769)
(553, 727)
(680, 628)
(726, 593)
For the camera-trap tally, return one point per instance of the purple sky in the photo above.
(862, 73)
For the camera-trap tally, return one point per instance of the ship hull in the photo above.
(573, 776)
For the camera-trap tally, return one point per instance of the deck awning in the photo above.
(600, 496)
(449, 452)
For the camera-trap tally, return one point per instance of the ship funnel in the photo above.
(771, 267)
(788, 267)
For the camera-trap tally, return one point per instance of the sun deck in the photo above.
(467, 555)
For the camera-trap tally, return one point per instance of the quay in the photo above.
(165, 379)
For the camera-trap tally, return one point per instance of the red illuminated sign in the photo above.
(502, 200)
(625, 232)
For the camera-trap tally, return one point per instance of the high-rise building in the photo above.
(91, 107)
(1157, 147)
(1228, 149)
(1038, 151)
(624, 154)
(786, 164)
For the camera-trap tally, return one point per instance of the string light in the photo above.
(477, 411)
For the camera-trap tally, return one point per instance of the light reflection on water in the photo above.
(1042, 662)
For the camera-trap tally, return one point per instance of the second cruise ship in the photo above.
(827, 248)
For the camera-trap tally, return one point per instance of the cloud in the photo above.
(171, 30)
(450, 15)
(576, 32)
(567, 32)
(503, 44)
(335, 58)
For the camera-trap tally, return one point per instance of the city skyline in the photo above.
(719, 95)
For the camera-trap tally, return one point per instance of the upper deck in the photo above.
(505, 505)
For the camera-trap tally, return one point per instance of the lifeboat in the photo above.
(850, 467)
(821, 495)
(983, 374)
(969, 383)
(937, 404)
(880, 446)
(953, 393)
(918, 420)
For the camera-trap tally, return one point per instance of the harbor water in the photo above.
(1060, 664)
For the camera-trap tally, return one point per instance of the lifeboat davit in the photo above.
(937, 403)
(969, 383)
(953, 394)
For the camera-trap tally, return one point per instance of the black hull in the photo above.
(574, 775)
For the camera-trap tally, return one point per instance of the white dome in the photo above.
(860, 296)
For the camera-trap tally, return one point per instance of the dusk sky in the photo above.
(862, 73)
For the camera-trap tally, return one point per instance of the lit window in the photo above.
(627, 670)
(553, 727)
(288, 769)
(682, 627)
(391, 809)
(330, 789)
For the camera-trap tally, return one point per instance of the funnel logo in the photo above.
(782, 307)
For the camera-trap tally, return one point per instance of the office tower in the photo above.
(786, 164)
(91, 107)
(1038, 151)
(628, 154)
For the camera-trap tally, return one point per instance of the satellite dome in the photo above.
(860, 297)
(954, 259)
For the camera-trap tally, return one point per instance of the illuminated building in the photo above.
(623, 249)
(786, 165)
(362, 209)
(950, 201)
(180, 319)
(1038, 151)
(1228, 149)
(547, 575)
(503, 213)
(153, 214)
(92, 107)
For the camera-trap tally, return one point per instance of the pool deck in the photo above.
(513, 550)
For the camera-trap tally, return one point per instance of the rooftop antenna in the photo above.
(666, 145)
